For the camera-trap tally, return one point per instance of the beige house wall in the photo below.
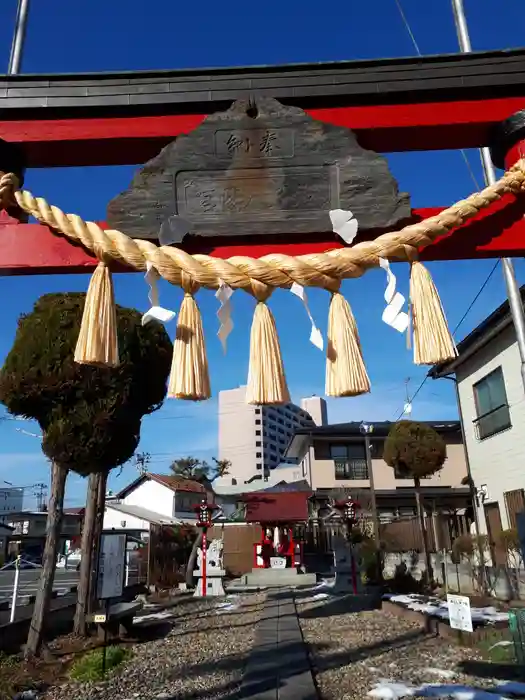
(319, 470)
(497, 462)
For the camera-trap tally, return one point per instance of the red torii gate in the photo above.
(429, 103)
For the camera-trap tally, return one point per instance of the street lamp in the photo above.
(204, 512)
(367, 429)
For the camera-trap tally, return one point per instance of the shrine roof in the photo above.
(284, 486)
(372, 81)
(277, 507)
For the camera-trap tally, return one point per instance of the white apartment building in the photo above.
(254, 438)
(491, 399)
(11, 501)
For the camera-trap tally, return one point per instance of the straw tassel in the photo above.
(189, 378)
(433, 342)
(266, 378)
(345, 370)
(97, 342)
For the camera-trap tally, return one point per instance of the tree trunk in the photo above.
(190, 567)
(417, 485)
(87, 549)
(43, 598)
(102, 480)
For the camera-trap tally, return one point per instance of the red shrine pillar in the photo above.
(12, 160)
(507, 141)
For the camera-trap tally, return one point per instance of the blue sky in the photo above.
(127, 35)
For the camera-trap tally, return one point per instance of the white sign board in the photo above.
(277, 563)
(459, 613)
(111, 566)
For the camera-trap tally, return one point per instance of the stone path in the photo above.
(278, 666)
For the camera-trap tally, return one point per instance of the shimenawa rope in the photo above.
(346, 375)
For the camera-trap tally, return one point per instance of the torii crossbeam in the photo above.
(426, 103)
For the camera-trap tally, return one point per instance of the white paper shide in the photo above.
(156, 311)
(393, 315)
(316, 337)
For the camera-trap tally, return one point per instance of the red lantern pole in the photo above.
(204, 558)
(354, 572)
(204, 512)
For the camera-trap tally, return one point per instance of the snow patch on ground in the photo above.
(153, 618)
(325, 583)
(386, 690)
(230, 603)
(442, 672)
(439, 608)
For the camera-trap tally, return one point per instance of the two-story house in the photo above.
(491, 399)
(158, 499)
(28, 534)
(333, 457)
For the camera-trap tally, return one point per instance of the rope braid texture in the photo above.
(259, 277)
(325, 270)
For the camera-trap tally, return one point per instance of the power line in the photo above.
(476, 184)
(418, 52)
(407, 26)
(480, 291)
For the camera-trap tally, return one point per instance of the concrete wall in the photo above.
(316, 407)
(505, 584)
(497, 461)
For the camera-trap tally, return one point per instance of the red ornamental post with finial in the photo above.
(348, 512)
(204, 513)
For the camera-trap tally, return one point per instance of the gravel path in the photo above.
(352, 652)
(202, 656)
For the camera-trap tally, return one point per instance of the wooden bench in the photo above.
(119, 621)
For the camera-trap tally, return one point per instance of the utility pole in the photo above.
(366, 430)
(511, 283)
(19, 35)
(40, 493)
(142, 460)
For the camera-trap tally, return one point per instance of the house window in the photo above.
(258, 443)
(352, 450)
(258, 454)
(258, 421)
(351, 469)
(492, 409)
(258, 432)
(349, 461)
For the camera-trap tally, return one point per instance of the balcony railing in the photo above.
(492, 422)
(356, 469)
